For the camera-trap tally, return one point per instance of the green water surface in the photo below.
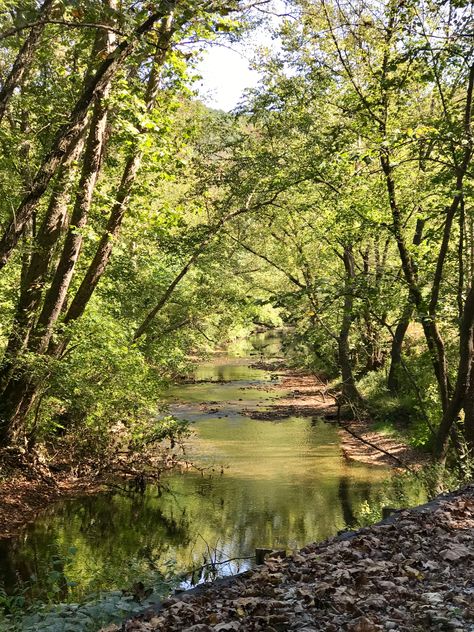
(284, 484)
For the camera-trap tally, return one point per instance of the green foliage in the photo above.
(34, 605)
(321, 204)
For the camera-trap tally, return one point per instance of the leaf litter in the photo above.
(413, 572)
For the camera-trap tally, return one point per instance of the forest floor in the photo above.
(410, 573)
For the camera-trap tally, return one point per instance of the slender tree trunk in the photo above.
(102, 256)
(22, 387)
(15, 403)
(393, 380)
(430, 328)
(461, 245)
(69, 134)
(370, 333)
(463, 381)
(152, 314)
(468, 407)
(56, 295)
(24, 58)
(35, 276)
(349, 388)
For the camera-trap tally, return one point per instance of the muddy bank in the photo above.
(22, 499)
(412, 572)
(310, 396)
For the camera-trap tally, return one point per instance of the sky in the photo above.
(226, 71)
(225, 75)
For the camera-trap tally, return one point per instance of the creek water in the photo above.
(284, 484)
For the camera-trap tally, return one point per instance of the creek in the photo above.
(283, 484)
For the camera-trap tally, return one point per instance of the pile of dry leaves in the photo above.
(411, 573)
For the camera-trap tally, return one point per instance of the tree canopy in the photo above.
(139, 227)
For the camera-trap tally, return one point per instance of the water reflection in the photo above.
(285, 484)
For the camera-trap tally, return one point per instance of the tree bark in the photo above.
(56, 295)
(464, 381)
(393, 379)
(349, 388)
(15, 403)
(468, 407)
(34, 279)
(24, 58)
(69, 134)
(102, 256)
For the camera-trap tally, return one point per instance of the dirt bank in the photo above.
(22, 499)
(412, 573)
(309, 396)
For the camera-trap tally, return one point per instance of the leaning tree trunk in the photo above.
(21, 389)
(57, 293)
(15, 403)
(101, 258)
(23, 61)
(35, 276)
(69, 135)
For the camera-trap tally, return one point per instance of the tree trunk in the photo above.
(15, 403)
(56, 295)
(24, 58)
(468, 407)
(464, 381)
(68, 136)
(433, 337)
(349, 388)
(22, 387)
(33, 283)
(102, 256)
(393, 380)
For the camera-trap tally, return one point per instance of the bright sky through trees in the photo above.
(226, 73)
(226, 68)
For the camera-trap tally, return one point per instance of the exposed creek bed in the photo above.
(285, 483)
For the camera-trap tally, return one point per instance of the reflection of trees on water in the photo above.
(304, 492)
(11, 568)
(246, 514)
(266, 345)
(108, 531)
(346, 504)
(232, 515)
(22, 563)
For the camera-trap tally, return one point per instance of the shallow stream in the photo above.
(284, 484)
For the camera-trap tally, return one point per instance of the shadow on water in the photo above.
(286, 484)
